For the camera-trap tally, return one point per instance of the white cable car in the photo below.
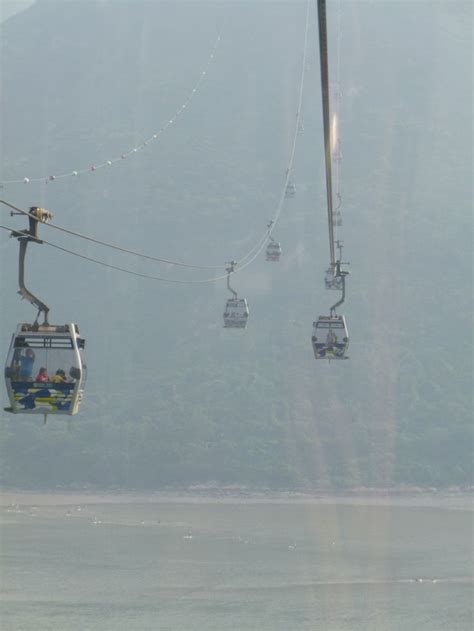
(273, 251)
(290, 190)
(337, 153)
(45, 370)
(336, 92)
(236, 313)
(236, 310)
(331, 281)
(330, 338)
(337, 217)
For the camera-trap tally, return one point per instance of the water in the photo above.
(169, 563)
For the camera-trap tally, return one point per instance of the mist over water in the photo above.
(210, 564)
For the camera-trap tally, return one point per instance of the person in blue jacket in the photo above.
(26, 365)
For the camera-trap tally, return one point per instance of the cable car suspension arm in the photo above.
(343, 297)
(24, 237)
(230, 270)
(23, 291)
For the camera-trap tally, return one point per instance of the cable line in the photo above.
(133, 150)
(291, 160)
(336, 97)
(121, 269)
(113, 246)
(323, 55)
(259, 245)
(242, 263)
(134, 252)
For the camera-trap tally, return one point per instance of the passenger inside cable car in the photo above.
(22, 364)
(59, 377)
(43, 351)
(330, 339)
(43, 376)
(236, 313)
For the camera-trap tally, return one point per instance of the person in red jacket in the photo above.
(42, 375)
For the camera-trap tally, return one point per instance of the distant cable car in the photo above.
(337, 153)
(236, 310)
(336, 213)
(45, 370)
(290, 190)
(236, 313)
(273, 251)
(330, 338)
(337, 217)
(336, 92)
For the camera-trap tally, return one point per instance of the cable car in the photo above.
(330, 338)
(236, 313)
(236, 310)
(273, 251)
(336, 92)
(331, 281)
(337, 217)
(337, 153)
(45, 372)
(290, 190)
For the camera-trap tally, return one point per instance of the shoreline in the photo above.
(461, 499)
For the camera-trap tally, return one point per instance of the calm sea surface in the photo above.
(334, 565)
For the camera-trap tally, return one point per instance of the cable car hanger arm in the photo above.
(343, 297)
(35, 216)
(230, 270)
(23, 291)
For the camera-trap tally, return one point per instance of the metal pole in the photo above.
(343, 297)
(24, 292)
(229, 271)
(323, 57)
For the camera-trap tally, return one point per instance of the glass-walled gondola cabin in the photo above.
(45, 372)
(236, 313)
(273, 252)
(330, 338)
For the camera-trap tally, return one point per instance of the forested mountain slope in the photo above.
(173, 398)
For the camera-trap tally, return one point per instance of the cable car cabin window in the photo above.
(40, 357)
(46, 341)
